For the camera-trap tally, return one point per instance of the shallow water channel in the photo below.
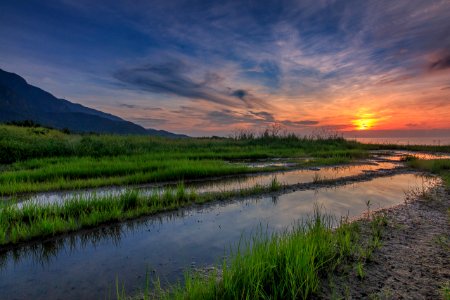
(86, 265)
(233, 183)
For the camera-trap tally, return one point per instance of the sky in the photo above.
(217, 67)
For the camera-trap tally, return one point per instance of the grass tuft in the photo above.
(286, 265)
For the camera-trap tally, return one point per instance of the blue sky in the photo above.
(211, 67)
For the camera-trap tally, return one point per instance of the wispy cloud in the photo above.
(212, 66)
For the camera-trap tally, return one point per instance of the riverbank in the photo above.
(397, 253)
(413, 261)
(19, 224)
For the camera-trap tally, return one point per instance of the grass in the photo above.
(286, 265)
(440, 167)
(41, 159)
(87, 172)
(21, 143)
(445, 291)
(360, 270)
(33, 220)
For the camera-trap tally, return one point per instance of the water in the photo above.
(382, 161)
(86, 265)
(393, 156)
(232, 183)
(434, 141)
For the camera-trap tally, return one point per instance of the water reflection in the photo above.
(233, 182)
(400, 155)
(85, 265)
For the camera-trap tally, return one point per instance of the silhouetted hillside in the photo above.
(21, 101)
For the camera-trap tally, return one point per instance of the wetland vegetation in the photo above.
(280, 265)
(286, 265)
(440, 167)
(32, 220)
(40, 159)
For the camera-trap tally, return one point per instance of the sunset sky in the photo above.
(211, 67)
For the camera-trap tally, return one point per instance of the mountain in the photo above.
(21, 101)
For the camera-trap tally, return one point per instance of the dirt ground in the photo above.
(413, 261)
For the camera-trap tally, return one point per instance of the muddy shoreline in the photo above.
(414, 259)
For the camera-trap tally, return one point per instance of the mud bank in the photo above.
(414, 259)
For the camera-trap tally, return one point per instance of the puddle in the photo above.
(273, 162)
(85, 266)
(400, 155)
(233, 183)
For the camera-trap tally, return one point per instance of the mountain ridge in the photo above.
(20, 101)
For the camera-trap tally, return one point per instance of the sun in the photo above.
(364, 122)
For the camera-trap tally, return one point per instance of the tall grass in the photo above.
(32, 220)
(88, 172)
(436, 166)
(20, 143)
(286, 265)
(42, 159)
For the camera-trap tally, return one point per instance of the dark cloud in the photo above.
(173, 78)
(300, 123)
(441, 63)
(239, 94)
(150, 121)
(127, 105)
(263, 115)
(170, 78)
(257, 118)
(139, 107)
(227, 117)
(248, 99)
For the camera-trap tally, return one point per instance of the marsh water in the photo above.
(381, 160)
(233, 183)
(87, 265)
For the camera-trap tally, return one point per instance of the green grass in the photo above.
(33, 220)
(87, 172)
(21, 143)
(40, 159)
(286, 265)
(445, 291)
(440, 167)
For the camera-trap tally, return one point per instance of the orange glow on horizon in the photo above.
(364, 122)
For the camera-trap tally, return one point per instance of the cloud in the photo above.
(178, 78)
(249, 99)
(440, 64)
(168, 78)
(228, 117)
(127, 105)
(299, 63)
(149, 122)
(139, 107)
(253, 118)
(300, 123)
(239, 94)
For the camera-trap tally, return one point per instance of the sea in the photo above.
(435, 141)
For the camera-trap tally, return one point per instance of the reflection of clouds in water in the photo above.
(228, 183)
(169, 242)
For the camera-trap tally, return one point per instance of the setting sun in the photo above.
(365, 122)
